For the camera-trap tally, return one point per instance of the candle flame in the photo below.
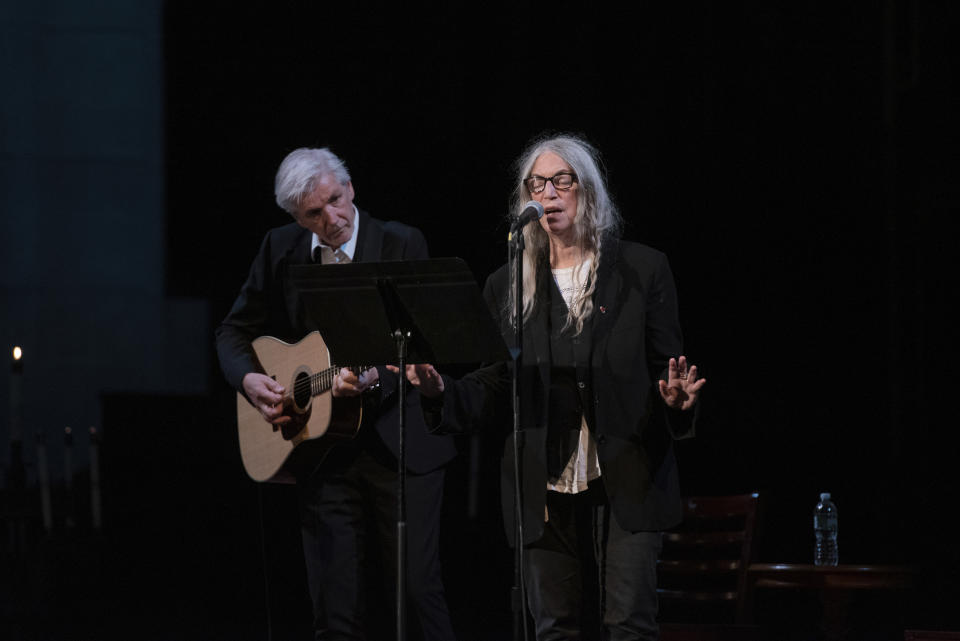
(17, 353)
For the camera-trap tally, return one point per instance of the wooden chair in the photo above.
(702, 572)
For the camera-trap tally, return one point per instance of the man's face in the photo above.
(328, 211)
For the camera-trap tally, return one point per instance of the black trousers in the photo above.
(348, 508)
(587, 578)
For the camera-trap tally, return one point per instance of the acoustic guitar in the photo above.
(318, 421)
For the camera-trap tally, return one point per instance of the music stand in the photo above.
(424, 311)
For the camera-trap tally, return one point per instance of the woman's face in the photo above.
(559, 205)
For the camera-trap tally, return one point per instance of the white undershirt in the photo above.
(583, 466)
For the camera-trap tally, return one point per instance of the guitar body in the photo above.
(274, 453)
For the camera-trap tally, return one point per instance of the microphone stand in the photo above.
(518, 593)
(401, 614)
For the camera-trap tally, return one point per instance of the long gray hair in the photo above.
(596, 217)
(299, 172)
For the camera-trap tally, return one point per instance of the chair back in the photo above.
(702, 571)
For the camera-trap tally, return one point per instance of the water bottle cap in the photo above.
(824, 496)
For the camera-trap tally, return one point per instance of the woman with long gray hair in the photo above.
(604, 391)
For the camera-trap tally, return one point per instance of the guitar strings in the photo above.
(319, 382)
(315, 383)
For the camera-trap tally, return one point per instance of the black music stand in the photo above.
(422, 311)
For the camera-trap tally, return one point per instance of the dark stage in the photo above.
(796, 162)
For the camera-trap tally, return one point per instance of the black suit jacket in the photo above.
(269, 304)
(621, 354)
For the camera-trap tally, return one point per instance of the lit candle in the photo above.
(16, 373)
(95, 478)
(17, 477)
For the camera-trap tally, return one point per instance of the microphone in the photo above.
(531, 211)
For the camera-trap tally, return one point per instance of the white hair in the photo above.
(300, 171)
(596, 217)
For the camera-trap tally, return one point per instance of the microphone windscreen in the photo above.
(535, 206)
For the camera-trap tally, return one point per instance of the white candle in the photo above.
(68, 473)
(18, 474)
(95, 478)
(68, 458)
(16, 374)
(44, 476)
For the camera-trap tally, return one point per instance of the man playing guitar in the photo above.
(356, 484)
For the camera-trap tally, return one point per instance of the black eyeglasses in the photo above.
(562, 180)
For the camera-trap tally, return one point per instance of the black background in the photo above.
(797, 162)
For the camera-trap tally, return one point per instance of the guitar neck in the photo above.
(322, 381)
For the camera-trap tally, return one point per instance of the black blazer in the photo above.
(622, 353)
(268, 304)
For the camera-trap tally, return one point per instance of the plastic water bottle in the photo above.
(825, 531)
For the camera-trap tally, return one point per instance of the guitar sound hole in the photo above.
(301, 391)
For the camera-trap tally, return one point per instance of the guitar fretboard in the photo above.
(321, 381)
